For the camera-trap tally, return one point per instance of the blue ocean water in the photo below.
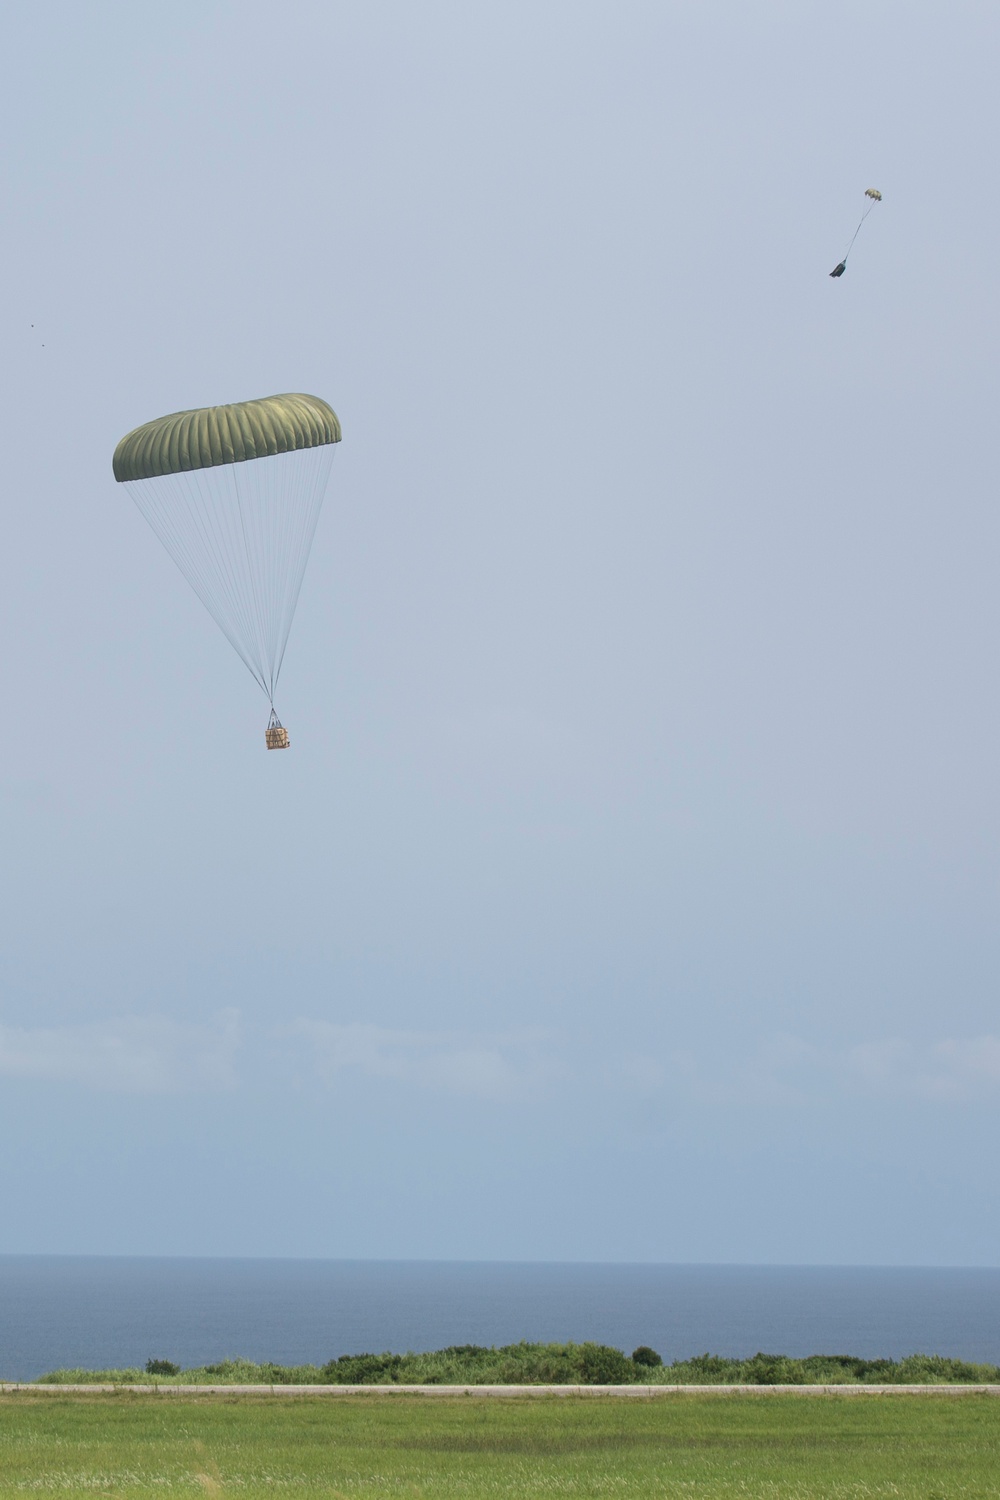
(98, 1312)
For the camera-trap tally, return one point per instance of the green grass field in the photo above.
(927, 1447)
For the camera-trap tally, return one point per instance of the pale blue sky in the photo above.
(631, 888)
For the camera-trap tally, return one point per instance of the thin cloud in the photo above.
(952, 1070)
(494, 1067)
(786, 1070)
(131, 1054)
(781, 1069)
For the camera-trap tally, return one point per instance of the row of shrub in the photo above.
(554, 1364)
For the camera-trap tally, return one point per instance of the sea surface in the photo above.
(102, 1312)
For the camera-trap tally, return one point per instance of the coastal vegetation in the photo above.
(553, 1364)
(718, 1447)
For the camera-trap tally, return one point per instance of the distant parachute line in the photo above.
(872, 196)
(234, 495)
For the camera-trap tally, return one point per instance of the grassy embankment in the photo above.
(730, 1447)
(555, 1364)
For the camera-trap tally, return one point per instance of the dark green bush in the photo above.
(601, 1365)
(821, 1368)
(773, 1369)
(362, 1369)
(556, 1364)
(706, 1369)
(935, 1369)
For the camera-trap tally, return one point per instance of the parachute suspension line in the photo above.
(241, 535)
(873, 196)
(194, 535)
(297, 554)
(853, 238)
(856, 231)
(278, 531)
(215, 502)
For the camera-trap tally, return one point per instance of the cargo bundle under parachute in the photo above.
(234, 494)
(276, 735)
(873, 196)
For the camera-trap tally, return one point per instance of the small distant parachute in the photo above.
(234, 494)
(873, 196)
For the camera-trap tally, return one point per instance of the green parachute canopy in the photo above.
(234, 494)
(225, 435)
